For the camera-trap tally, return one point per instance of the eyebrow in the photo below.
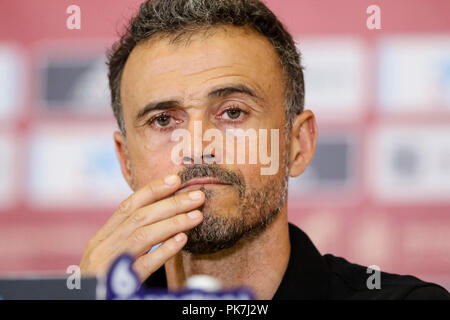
(215, 93)
(230, 89)
(162, 105)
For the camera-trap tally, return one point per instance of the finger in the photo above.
(148, 263)
(159, 211)
(153, 213)
(168, 207)
(152, 192)
(146, 237)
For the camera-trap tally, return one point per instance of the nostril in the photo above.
(187, 160)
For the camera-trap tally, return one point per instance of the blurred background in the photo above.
(377, 191)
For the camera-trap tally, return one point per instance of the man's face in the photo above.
(230, 79)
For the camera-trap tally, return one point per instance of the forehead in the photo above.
(159, 68)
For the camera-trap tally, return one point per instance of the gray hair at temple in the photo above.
(177, 18)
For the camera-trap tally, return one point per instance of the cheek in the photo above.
(252, 175)
(152, 163)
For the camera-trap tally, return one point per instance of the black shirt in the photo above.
(310, 275)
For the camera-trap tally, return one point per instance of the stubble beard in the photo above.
(257, 208)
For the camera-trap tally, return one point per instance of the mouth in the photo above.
(197, 183)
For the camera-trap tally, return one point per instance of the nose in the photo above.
(200, 151)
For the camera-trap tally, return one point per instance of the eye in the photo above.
(162, 120)
(233, 114)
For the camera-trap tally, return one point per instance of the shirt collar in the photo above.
(307, 275)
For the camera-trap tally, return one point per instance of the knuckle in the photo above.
(138, 217)
(140, 235)
(142, 265)
(180, 221)
(139, 265)
(125, 206)
(177, 201)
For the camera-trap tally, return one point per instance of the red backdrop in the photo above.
(370, 215)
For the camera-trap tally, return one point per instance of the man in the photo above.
(191, 66)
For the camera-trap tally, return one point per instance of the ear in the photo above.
(122, 155)
(303, 142)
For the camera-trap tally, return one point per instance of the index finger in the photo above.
(154, 191)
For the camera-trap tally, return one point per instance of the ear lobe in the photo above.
(303, 142)
(122, 156)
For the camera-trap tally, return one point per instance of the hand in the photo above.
(146, 218)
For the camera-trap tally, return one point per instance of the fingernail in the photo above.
(179, 237)
(195, 195)
(194, 215)
(171, 180)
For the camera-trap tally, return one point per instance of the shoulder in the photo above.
(353, 281)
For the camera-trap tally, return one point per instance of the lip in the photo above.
(201, 182)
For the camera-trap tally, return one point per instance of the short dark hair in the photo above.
(175, 17)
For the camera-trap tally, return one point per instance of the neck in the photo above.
(257, 263)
